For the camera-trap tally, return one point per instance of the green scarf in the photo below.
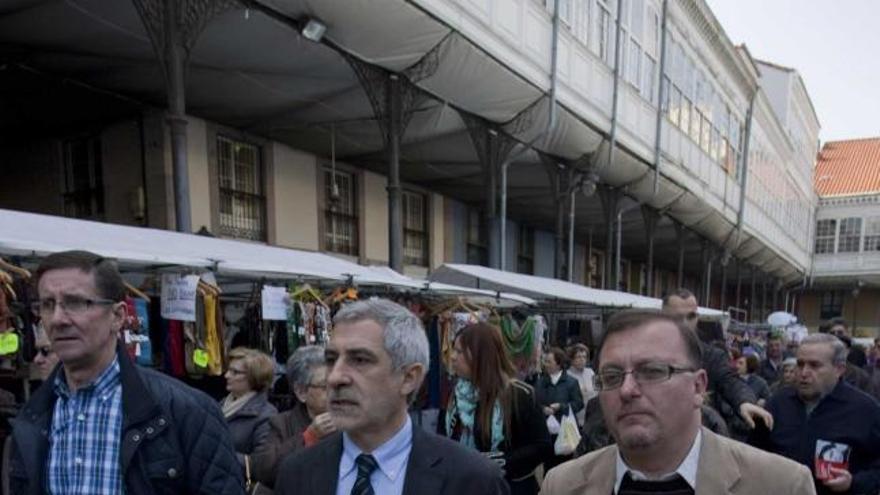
(464, 408)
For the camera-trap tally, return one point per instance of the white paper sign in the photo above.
(179, 297)
(275, 303)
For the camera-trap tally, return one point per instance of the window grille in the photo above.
(242, 203)
(83, 182)
(850, 235)
(525, 259)
(477, 245)
(340, 213)
(825, 232)
(415, 229)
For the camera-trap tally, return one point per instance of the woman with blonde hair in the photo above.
(247, 409)
(492, 412)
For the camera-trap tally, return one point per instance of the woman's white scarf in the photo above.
(231, 405)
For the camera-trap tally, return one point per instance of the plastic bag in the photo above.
(552, 425)
(569, 435)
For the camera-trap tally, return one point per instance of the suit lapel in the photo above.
(425, 472)
(599, 476)
(717, 469)
(330, 457)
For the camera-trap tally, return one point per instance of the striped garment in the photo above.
(85, 438)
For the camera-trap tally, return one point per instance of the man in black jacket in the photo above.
(724, 385)
(100, 424)
(826, 424)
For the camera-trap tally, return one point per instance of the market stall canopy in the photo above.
(478, 296)
(30, 234)
(547, 289)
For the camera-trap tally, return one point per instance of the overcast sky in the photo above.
(834, 44)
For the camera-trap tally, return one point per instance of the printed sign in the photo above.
(830, 455)
(179, 297)
(275, 303)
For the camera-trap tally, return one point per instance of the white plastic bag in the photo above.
(569, 435)
(552, 424)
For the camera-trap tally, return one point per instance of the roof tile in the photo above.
(845, 168)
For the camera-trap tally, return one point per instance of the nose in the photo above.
(630, 387)
(336, 375)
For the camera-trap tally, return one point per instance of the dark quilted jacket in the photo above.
(174, 439)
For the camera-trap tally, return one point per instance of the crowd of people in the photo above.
(658, 410)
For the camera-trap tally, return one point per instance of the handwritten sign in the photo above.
(179, 297)
(275, 303)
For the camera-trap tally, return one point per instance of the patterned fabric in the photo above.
(84, 442)
(366, 464)
(674, 486)
(464, 408)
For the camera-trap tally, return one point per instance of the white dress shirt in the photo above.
(687, 469)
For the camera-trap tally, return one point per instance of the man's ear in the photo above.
(300, 393)
(413, 375)
(701, 383)
(120, 311)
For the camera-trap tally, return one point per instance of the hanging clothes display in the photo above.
(213, 338)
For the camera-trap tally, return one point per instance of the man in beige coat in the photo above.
(651, 389)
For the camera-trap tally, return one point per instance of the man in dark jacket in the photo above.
(100, 424)
(557, 392)
(724, 385)
(826, 424)
(771, 367)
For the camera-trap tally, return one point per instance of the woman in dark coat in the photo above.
(494, 413)
(304, 425)
(246, 408)
(557, 392)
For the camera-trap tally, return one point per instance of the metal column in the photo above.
(723, 264)
(738, 302)
(752, 295)
(680, 234)
(651, 218)
(395, 210)
(610, 203)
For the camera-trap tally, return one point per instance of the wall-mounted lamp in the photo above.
(313, 30)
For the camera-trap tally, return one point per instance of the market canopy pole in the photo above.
(173, 27)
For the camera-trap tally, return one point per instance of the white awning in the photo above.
(40, 235)
(547, 289)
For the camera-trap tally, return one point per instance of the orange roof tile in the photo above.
(850, 167)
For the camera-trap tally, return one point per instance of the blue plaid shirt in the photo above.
(85, 437)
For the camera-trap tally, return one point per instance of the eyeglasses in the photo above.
(644, 374)
(44, 351)
(72, 305)
(318, 385)
(236, 371)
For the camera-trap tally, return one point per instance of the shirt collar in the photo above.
(555, 377)
(391, 456)
(105, 381)
(687, 469)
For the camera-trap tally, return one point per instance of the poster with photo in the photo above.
(830, 455)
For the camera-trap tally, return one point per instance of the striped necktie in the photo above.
(366, 464)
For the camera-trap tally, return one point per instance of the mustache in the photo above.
(340, 394)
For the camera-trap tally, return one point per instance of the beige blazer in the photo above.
(725, 467)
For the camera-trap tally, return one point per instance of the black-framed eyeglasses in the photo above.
(71, 305)
(318, 385)
(644, 374)
(44, 351)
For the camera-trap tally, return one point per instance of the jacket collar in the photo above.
(425, 471)
(138, 404)
(718, 470)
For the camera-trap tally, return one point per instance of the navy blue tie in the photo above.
(366, 464)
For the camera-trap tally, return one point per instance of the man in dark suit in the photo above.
(376, 361)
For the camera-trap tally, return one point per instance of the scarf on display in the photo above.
(231, 405)
(464, 407)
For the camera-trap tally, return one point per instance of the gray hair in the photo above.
(403, 333)
(302, 363)
(837, 345)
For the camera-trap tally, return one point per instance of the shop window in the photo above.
(340, 213)
(83, 183)
(832, 305)
(850, 235)
(825, 232)
(415, 229)
(525, 258)
(242, 203)
(477, 239)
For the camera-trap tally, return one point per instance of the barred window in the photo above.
(872, 234)
(825, 232)
(525, 258)
(415, 229)
(83, 182)
(850, 235)
(477, 243)
(340, 213)
(242, 203)
(832, 305)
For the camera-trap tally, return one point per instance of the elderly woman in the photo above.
(246, 408)
(303, 425)
(45, 358)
